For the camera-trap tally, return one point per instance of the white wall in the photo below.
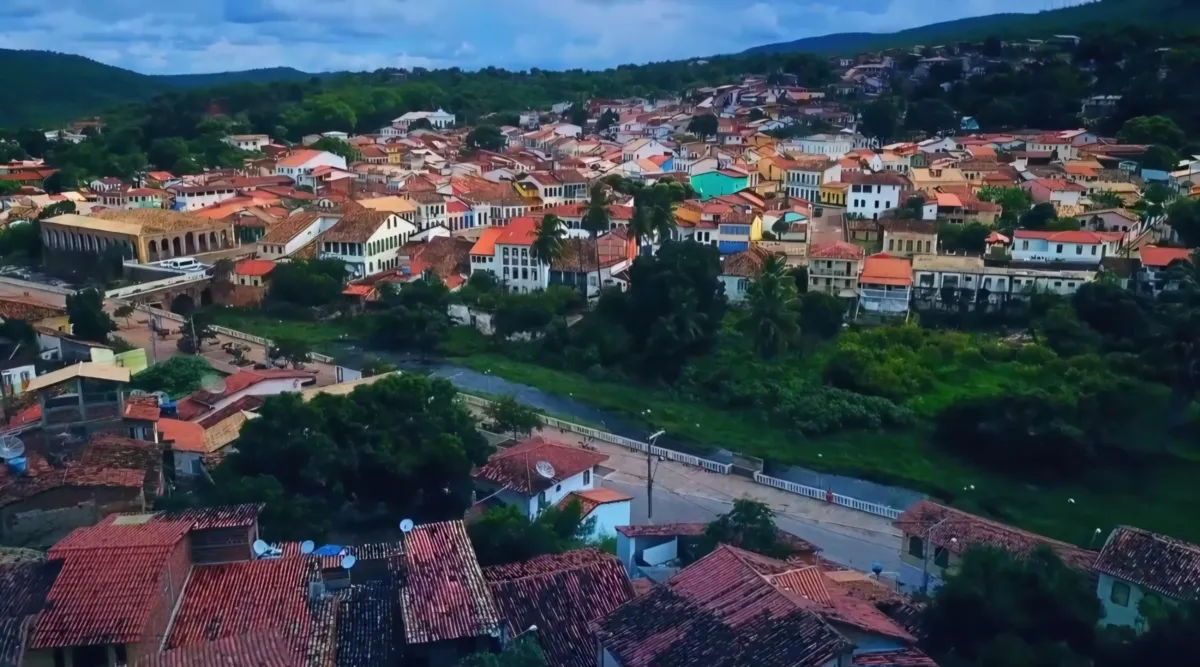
(514, 279)
(193, 202)
(872, 203)
(1115, 614)
(735, 287)
(608, 516)
(559, 491)
(268, 387)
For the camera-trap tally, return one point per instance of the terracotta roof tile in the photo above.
(260, 649)
(519, 231)
(231, 599)
(1162, 564)
(561, 596)
(958, 531)
(285, 230)
(144, 408)
(883, 269)
(908, 657)
(1081, 236)
(23, 590)
(515, 467)
(836, 250)
(590, 499)
(182, 436)
(1156, 256)
(29, 310)
(357, 226)
(445, 595)
(253, 267)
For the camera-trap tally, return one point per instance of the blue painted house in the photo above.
(718, 183)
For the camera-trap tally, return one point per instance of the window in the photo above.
(587, 477)
(1024, 245)
(908, 246)
(891, 244)
(524, 274)
(941, 558)
(928, 246)
(916, 547)
(1058, 283)
(1079, 249)
(1058, 250)
(1093, 250)
(533, 274)
(1120, 594)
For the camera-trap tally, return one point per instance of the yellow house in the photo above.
(760, 140)
(771, 169)
(689, 212)
(929, 180)
(395, 153)
(834, 193)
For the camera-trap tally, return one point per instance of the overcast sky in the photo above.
(167, 37)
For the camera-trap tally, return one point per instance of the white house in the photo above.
(1062, 148)
(560, 186)
(292, 233)
(829, 145)
(266, 382)
(804, 176)
(194, 197)
(537, 473)
(1081, 247)
(1135, 563)
(520, 271)
(366, 241)
(299, 166)
(871, 194)
(934, 273)
(640, 149)
(439, 119)
(1155, 261)
(248, 142)
(1054, 190)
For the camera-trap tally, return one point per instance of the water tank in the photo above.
(17, 466)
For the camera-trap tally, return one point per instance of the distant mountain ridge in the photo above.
(44, 88)
(1157, 13)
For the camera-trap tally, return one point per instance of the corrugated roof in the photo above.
(87, 369)
(445, 595)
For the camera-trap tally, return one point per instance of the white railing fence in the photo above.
(824, 494)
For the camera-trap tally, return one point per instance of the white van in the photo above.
(183, 264)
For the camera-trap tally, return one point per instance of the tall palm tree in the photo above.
(771, 299)
(548, 239)
(662, 220)
(223, 269)
(596, 221)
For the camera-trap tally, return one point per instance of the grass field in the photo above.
(1160, 496)
(319, 335)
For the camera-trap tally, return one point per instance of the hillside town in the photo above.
(103, 563)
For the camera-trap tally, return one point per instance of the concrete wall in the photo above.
(43, 519)
(608, 516)
(559, 491)
(1115, 614)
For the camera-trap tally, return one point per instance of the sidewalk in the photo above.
(630, 467)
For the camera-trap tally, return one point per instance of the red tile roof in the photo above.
(200, 402)
(837, 250)
(1081, 236)
(1059, 185)
(519, 231)
(883, 269)
(720, 612)
(486, 245)
(1156, 256)
(958, 531)
(231, 599)
(265, 649)
(207, 518)
(807, 582)
(29, 310)
(561, 596)
(298, 158)
(909, 657)
(144, 408)
(1162, 564)
(182, 436)
(254, 267)
(109, 583)
(591, 499)
(445, 596)
(515, 467)
(662, 529)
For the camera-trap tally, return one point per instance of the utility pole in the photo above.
(650, 475)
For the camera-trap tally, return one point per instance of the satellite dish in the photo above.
(260, 547)
(11, 447)
(348, 561)
(406, 525)
(213, 384)
(307, 546)
(139, 393)
(544, 469)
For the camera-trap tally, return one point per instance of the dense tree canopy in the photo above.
(85, 311)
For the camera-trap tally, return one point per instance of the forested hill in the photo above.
(1169, 15)
(44, 88)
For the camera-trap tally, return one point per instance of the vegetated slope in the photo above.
(44, 88)
(264, 75)
(1171, 14)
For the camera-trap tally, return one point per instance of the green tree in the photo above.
(703, 125)
(596, 220)
(85, 311)
(524, 652)
(403, 446)
(196, 330)
(931, 116)
(166, 152)
(1002, 610)
(971, 237)
(607, 119)
(125, 311)
(309, 283)
(486, 137)
(821, 315)
(1159, 157)
(415, 316)
(579, 114)
(506, 535)
(293, 350)
(177, 376)
(372, 366)
(1039, 217)
(1014, 202)
(1151, 130)
(549, 239)
(1183, 215)
(509, 415)
(1107, 200)
(750, 525)
(223, 269)
(640, 226)
(880, 118)
(771, 300)
(1174, 631)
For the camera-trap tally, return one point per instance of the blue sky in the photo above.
(157, 37)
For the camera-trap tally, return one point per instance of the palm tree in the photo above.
(548, 239)
(222, 269)
(596, 221)
(771, 299)
(662, 220)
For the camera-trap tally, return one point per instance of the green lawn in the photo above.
(1159, 497)
(319, 335)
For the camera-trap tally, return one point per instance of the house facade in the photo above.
(1080, 247)
(367, 241)
(833, 268)
(872, 194)
(1136, 564)
(536, 474)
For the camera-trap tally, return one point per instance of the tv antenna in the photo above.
(348, 561)
(406, 525)
(307, 546)
(260, 547)
(213, 384)
(544, 469)
(11, 447)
